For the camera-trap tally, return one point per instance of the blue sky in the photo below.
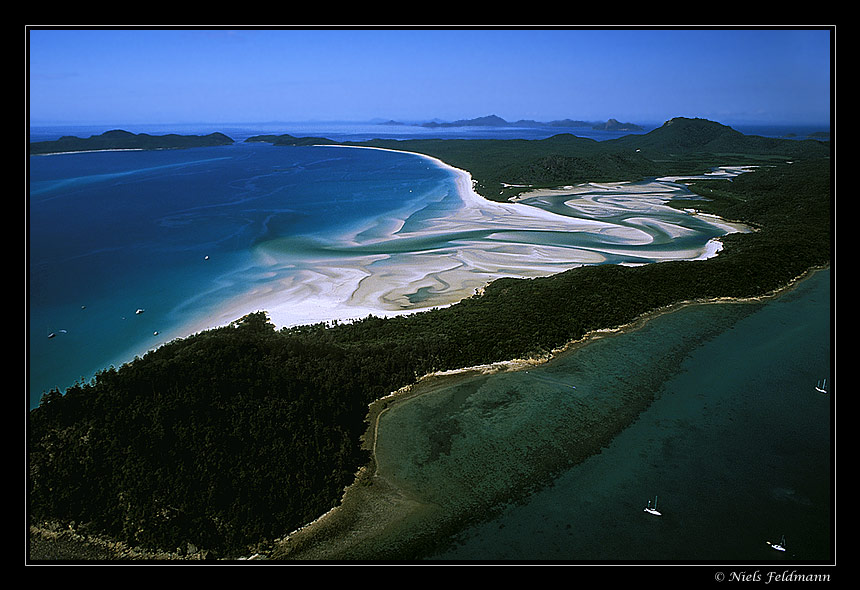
(107, 76)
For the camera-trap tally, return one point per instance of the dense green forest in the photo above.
(236, 436)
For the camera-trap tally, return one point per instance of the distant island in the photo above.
(496, 121)
(125, 140)
(286, 139)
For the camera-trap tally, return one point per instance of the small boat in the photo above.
(821, 387)
(778, 546)
(139, 311)
(653, 510)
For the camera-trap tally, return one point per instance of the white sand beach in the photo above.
(376, 270)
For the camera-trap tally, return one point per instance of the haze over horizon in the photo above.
(127, 76)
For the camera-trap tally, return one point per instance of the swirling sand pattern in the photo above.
(451, 246)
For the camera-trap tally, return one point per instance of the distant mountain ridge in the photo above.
(496, 121)
(682, 135)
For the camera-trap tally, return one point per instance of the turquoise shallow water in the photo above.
(736, 445)
(173, 233)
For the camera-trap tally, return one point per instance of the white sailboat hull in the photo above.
(652, 509)
(777, 546)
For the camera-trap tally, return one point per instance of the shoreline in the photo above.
(348, 289)
(358, 519)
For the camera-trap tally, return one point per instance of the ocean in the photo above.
(128, 249)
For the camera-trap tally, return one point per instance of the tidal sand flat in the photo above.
(453, 242)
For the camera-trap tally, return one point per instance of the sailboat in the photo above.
(778, 546)
(653, 510)
(822, 386)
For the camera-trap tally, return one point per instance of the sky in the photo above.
(178, 76)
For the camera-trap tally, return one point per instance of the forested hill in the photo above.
(124, 140)
(682, 136)
(233, 437)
